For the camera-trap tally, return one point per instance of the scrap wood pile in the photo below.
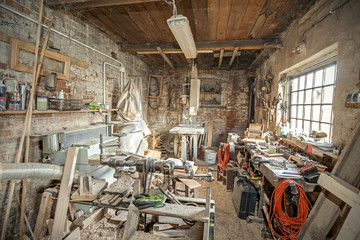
(158, 143)
(90, 201)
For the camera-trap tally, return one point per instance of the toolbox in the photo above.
(244, 197)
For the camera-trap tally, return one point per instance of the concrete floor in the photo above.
(227, 224)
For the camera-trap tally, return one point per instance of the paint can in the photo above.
(14, 97)
(23, 96)
(11, 85)
(2, 104)
(14, 105)
(210, 156)
(2, 88)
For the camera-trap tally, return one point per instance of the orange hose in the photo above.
(288, 226)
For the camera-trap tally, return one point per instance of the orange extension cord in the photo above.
(289, 226)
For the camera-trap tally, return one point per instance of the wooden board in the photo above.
(180, 211)
(74, 235)
(190, 183)
(65, 188)
(210, 132)
(85, 221)
(16, 46)
(98, 185)
(43, 215)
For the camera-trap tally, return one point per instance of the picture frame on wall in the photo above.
(154, 86)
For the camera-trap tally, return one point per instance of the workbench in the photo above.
(187, 133)
(272, 175)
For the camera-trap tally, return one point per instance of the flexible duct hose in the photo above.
(10, 171)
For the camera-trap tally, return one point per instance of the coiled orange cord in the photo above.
(289, 226)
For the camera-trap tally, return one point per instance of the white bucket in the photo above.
(210, 156)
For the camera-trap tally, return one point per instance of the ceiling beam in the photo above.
(165, 58)
(83, 4)
(260, 59)
(171, 52)
(208, 45)
(233, 56)
(221, 58)
(227, 54)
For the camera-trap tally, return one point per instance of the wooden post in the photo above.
(65, 188)
(211, 126)
(18, 155)
(36, 75)
(43, 215)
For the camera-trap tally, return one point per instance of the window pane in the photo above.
(309, 80)
(299, 125)
(314, 126)
(316, 95)
(300, 111)
(329, 75)
(328, 94)
(318, 78)
(326, 113)
(307, 112)
(293, 125)
(293, 112)
(295, 83)
(307, 127)
(294, 98)
(302, 82)
(301, 97)
(315, 113)
(325, 128)
(308, 96)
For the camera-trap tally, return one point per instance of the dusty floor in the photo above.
(227, 225)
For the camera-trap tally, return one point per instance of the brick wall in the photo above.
(229, 117)
(84, 84)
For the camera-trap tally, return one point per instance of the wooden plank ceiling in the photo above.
(248, 25)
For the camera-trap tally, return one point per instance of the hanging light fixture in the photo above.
(179, 26)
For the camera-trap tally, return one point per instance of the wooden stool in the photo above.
(190, 186)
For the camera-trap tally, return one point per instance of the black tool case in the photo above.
(244, 197)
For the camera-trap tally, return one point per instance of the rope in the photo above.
(289, 226)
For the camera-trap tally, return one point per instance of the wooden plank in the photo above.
(260, 21)
(348, 164)
(145, 22)
(235, 53)
(194, 200)
(186, 9)
(206, 232)
(162, 227)
(210, 132)
(72, 211)
(85, 221)
(85, 4)
(133, 218)
(201, 19)
(4, 37)
(339, 190)
(213, 15)
(65, 188)
(223, 13)
(16, 46)
(236, 18)
(221, 58)
(43, 215)
(205, 45)
(74, 235)
(350, 229)
(165, 58)
(79, 63)
(180, 211)
(190, 183)
(86, 187)
(253, 10)
(170, 233)
(160, 13)
(318, 5)
(320, 220)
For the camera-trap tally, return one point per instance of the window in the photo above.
(311, 98)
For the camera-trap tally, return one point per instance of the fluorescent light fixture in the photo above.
(179, 26)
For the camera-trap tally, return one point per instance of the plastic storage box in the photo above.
(244, 197)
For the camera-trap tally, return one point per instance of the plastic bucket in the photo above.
(210, 156)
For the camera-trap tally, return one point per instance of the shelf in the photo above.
(9, 112)
(210, 93)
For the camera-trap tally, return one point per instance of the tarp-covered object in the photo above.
(129, 104)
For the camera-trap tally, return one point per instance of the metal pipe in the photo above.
(58, 32)
(10, 171)
(122, 76)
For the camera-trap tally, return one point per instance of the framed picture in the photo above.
(154, 86)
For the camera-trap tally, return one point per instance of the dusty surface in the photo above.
(227, 224)
(101, 230)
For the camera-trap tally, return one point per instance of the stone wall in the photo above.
(320, 31)
(230, 116)
(84, 84)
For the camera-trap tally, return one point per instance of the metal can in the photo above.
(2, 104)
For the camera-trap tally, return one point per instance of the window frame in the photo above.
(311, 104)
